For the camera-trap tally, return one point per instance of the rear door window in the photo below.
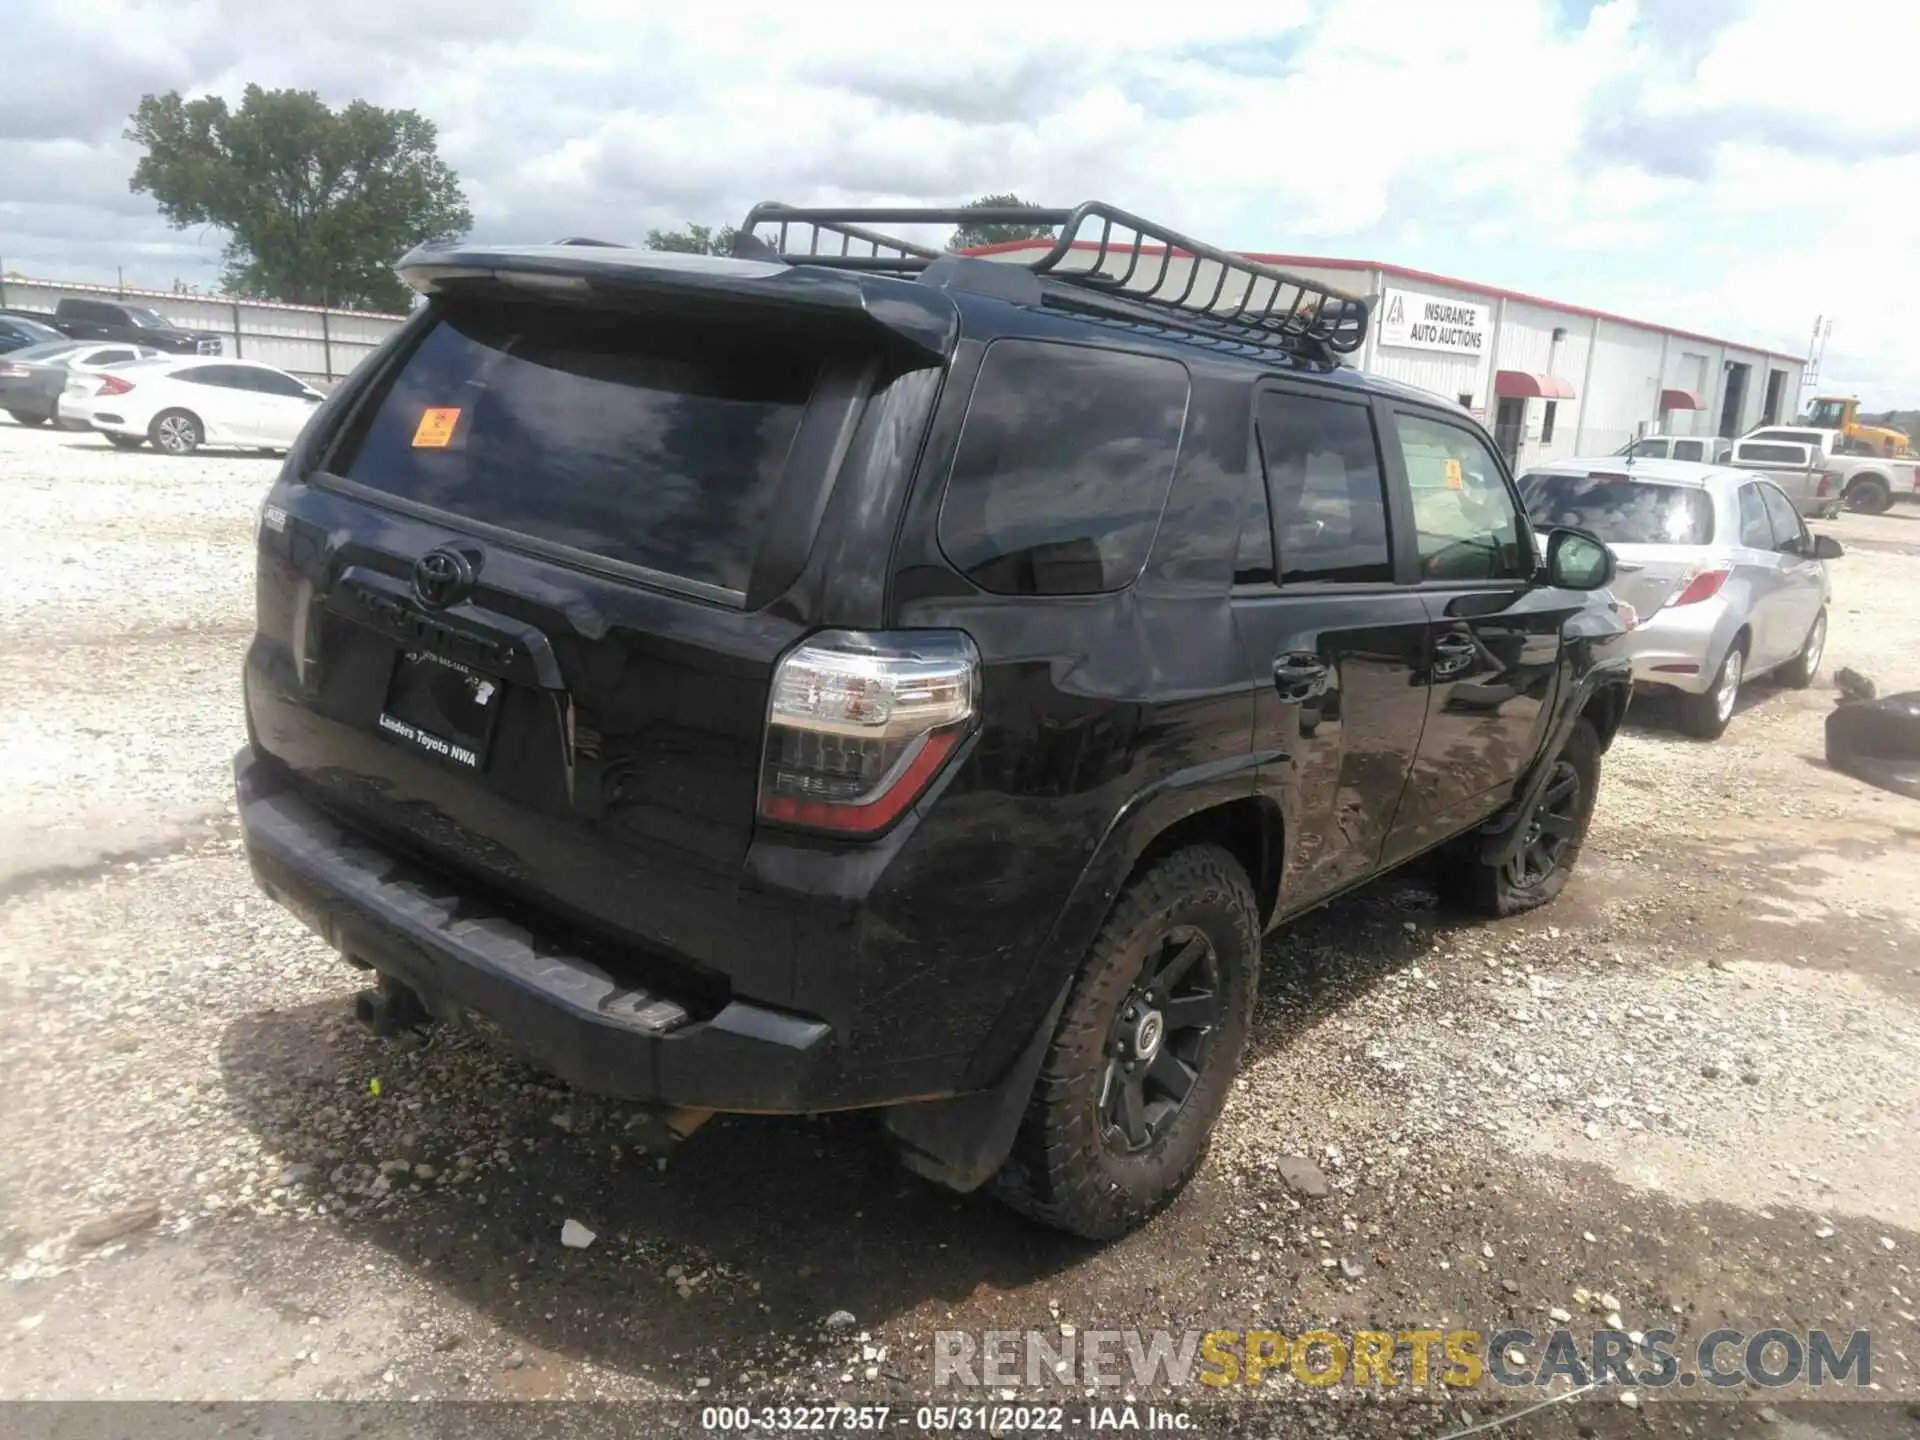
(1063, 468)
(1253, 555)
(1324, 479)
(1756, 531)
(1620, 512)
(1689, 450)
(272, 382)
(638, 439)
(221, 377)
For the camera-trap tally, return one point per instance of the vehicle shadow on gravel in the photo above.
(1655, 715)
(777, 1221)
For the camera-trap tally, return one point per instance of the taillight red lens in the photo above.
(1702, 585)
(858, 725)
(1826, 482)
(113, 385)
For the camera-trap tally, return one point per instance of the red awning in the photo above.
(1525, 385)
(1680, 400)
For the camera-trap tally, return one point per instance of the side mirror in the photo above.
(1825, 547)
(1578, 560)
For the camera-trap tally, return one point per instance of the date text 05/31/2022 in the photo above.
(983, 1419)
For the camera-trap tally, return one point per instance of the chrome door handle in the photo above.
(1301, 676)
(1453, 653)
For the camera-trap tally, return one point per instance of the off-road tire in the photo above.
(1799, 672)
(1502, 890)
(1062, 1171)
(1706, 716)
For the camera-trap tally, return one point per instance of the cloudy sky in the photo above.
(1733, 166)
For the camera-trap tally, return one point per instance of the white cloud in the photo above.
(1683, 160)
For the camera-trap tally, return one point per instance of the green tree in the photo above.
(971, 236)
(318, 203)
(694, 240)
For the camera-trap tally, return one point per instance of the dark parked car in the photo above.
(135, 324)
(19, 331)
(806, 681)
(32, 380)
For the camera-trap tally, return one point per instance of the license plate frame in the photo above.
(441, 708)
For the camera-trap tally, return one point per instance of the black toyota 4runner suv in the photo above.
(866, 676)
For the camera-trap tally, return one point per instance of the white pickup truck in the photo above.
(1868, 483)
(1703, 449)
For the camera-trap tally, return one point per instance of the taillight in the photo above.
(859, 724)
(113, 385)
(1702, 585)
(14, 372)
(1826, 482)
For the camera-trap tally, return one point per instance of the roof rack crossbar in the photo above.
(1134, 252)
(837, 222)
(1248, 300)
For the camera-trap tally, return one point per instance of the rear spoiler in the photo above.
(922, 320)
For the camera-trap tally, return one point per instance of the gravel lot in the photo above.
(1691, 1087)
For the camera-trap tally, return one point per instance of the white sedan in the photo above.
(187, 401)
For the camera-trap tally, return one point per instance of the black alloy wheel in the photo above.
(1159, 1040)
(1552, 827)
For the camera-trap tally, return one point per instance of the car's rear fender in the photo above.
(1222, 789)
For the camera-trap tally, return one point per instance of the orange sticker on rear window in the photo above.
(1455, 481)
(435, 431)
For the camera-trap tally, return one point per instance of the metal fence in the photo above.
(319, 345)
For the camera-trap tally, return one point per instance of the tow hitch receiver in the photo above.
(390, 1009)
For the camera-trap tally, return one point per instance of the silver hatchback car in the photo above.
(1724, 576)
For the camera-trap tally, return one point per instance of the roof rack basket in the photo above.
(1107, 260)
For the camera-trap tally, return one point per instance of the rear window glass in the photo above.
(637, 439)
(1774, 454)
(1063, 468)
(1621, 512)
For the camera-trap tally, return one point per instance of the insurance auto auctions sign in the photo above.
(1433, 322)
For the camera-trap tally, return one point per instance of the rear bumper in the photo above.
(563, 1012)
(28, 402)
(1680, 647)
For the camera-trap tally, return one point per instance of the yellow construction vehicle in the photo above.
(1842, 413)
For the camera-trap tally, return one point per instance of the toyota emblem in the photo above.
(442, 578)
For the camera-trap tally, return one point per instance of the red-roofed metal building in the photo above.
(1550, 379)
